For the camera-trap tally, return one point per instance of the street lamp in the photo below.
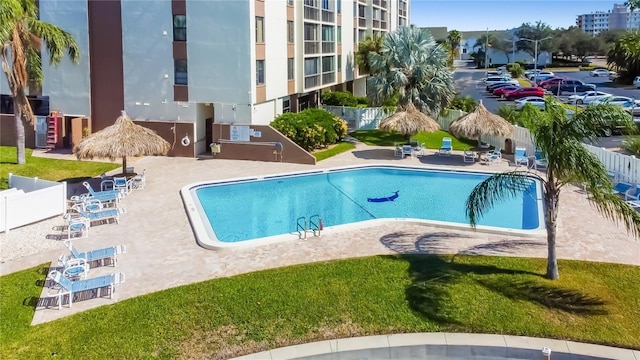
(535, 60)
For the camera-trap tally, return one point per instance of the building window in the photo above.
(286, 105)
(339, 6)
(180, 71)
(339, 35)
(290, 32)
(289, 2)
(339, 63)
(260, 72)
(179, 28)
(259, 29)
(290, 66)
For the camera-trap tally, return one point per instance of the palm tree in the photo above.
(560, 141)
(454, 38)
(625, 54)
(366, 47)
(21, 34)
(412, 65)
(632, 5)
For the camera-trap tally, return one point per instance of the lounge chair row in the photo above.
(71, 276)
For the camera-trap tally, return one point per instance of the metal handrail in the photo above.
(301, 229)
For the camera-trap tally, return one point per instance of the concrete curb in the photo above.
(450, 345)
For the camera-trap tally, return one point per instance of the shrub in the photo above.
(312, 128)
(362, 100)
(339, 98)
(466, 103)
(516, 70)
(509, 113)
(632, 145)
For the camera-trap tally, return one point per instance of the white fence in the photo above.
(30, 200)
(359, 118)
(625, 167)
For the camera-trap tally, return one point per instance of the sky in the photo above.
(465, 15)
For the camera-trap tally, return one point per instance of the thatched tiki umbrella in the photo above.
(409, 121)
(123, 138)
(480, 122)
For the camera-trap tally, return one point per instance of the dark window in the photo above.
(286, 105)
(179, 28)
(290, 67)
(260, 72)
(339, 6)
(339, 63)
(290, 32)
(180, 71)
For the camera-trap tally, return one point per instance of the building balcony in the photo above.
(362, 22)
(311, 13)
(328, 78)
(328, 16)
(311, 81)
(328, 47)
(311, 47)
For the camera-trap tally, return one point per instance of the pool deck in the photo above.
(162, 251)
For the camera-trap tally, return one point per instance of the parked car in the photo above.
(492, 87)
(524, 92)
(536, 101)
(541, 78)
(539, 74)
(588, 97)
(636, 82)
(614, 100)
(500, 79)
(613, 75)
(573, 86)
(552, 81)
(499, 92)
(600, 72)
(628, 104)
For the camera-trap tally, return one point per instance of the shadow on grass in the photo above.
(503, 247)
(567, 300)
(433, 277)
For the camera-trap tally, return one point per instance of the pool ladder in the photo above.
(315, 226)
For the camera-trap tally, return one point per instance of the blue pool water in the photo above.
(245, 210)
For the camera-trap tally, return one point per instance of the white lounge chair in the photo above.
(540, 163)
(123, 184)
(69, 287)
(469, 156)
(407, 150)
(493, 157)
(73, 268)
(139, 181)
(520, 157)
(108, 253)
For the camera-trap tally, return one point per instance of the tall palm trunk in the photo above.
(551, 222)
(20, 140)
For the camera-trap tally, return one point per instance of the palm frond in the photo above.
(56, 40)
(614, 208)
(498, 187)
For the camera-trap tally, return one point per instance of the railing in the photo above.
(328, 78)
(311, 47)
(359, 118)
(311, 81)
(311, 13)
(328, 16)
(328, 47)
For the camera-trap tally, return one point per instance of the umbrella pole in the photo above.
(124, 165)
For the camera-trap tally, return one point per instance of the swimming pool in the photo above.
(270, 208)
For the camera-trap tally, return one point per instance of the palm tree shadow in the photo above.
(567, 300)
(430, 292)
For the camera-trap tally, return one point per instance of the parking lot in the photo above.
(467, 78)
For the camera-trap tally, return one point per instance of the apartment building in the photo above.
(619, 18)
(179, 66)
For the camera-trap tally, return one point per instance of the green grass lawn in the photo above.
(430, 140)
(592, 302)
(338, 149)
(48, 169)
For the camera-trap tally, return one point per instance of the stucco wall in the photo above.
(147, 45)
(68, 85)
(219, 52)
(276, 48)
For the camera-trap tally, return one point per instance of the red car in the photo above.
(524, 92)
(501, 91)
(552, 81)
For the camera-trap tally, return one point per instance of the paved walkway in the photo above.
(162, 252)
(443, 346)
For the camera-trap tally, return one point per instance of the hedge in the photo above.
(312, 128)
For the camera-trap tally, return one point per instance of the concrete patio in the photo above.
(162, 251)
